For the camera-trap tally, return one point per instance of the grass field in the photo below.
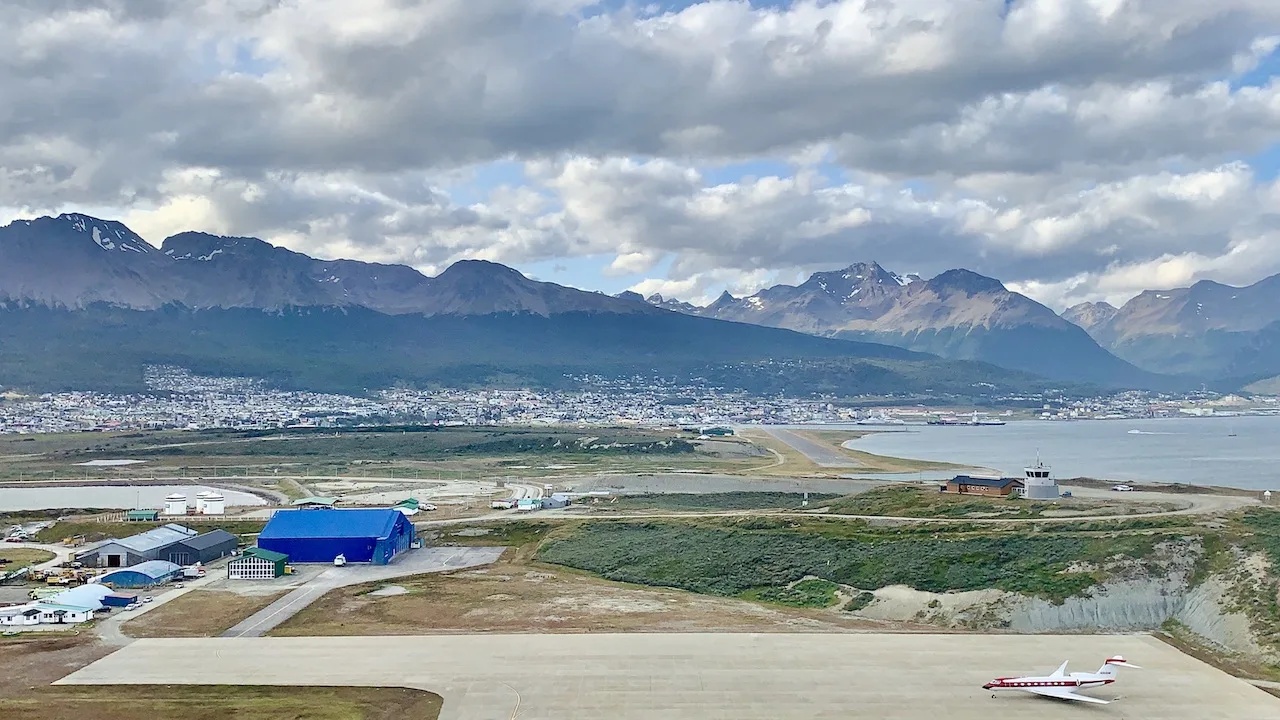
(199, 613)
(95, 531)
(215, 702)
(21, 557)
(711, 501)
(928, 502)
(408, 453)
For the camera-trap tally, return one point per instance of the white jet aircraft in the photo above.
(1064, 685)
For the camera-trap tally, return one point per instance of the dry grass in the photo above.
(31, 661)
(199, 613)
(516, 595)
(213, 702)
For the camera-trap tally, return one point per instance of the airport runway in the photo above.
(819, 454)
(708, 677)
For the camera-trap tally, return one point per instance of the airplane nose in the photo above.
(988, 686)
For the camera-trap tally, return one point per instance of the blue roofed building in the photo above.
(142, 575)
(363, 536)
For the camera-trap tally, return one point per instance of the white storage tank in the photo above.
(215, 504)
(200, 498)
(175, 504)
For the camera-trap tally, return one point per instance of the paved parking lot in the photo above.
(413, 562)
(708, 677)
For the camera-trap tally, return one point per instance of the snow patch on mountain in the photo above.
(108, 235)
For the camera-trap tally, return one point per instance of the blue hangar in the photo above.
(364, 536)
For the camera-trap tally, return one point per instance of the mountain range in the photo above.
(958, 314)
(73, 261)
(1206, 330)
(85, 303)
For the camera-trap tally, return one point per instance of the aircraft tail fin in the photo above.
(1109, 666)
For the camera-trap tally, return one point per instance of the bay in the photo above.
(1198, 451)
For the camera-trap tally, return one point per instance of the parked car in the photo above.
(1122, 488)
(132, 606)
(147, 599)
(179, 585)
(427, 506)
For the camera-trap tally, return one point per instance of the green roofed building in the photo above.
(257, 564)
(142, 516)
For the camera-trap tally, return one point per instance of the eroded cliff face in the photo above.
(1135, 597)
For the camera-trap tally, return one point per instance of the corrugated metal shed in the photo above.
(134, 549)
(202, 548)
(157, 538)
(374, 536)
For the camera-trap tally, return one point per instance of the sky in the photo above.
(1078, 150)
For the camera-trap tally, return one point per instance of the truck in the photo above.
(340, 561)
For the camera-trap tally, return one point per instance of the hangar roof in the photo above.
(331, 524)
(155, 538)
(154, 569)
(210, 539)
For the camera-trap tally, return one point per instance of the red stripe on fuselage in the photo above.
(1013, 683)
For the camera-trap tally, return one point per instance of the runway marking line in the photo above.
(302, 596)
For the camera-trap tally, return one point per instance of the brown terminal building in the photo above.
(991, 487)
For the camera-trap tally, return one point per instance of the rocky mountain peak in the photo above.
(724, 300)
(203, 247)
(108, 235)
(479, 271)
(965, 281)
(1091, 314)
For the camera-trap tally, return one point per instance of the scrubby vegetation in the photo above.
(859, 601)
(734, 557)
(809, 593)
(718, 501)
(928, 502)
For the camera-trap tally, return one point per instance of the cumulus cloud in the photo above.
(1074, 148)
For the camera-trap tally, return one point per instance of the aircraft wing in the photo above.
(1061, 671)
(1065, 694)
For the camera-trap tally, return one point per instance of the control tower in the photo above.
(1038, 485)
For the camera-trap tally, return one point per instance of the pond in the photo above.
(123, 497)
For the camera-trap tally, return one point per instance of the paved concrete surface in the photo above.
(817, 453)
(708, 677)
(414, 562)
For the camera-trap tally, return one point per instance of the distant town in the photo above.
(178, 399)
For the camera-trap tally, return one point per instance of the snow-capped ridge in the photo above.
(107, 234)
